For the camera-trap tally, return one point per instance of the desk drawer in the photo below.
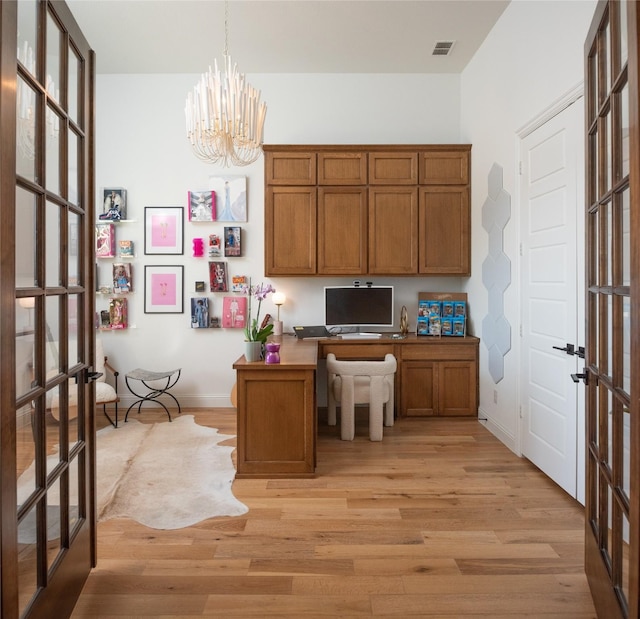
(440, 352)
(358, 351)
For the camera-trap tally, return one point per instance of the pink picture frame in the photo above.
(163, 230)
(164, 289)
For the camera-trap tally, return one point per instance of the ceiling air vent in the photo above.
(442, 48)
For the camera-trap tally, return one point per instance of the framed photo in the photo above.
(202, 206)
(114, 204)
(163, 289)
(232, 245)
(163, 230)
(231, 197)
(218, 276)
(122, 280)
(199, 313)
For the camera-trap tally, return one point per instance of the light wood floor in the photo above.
(438, 520)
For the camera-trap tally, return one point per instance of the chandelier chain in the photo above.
(226, 28)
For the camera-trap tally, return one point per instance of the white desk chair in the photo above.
(360, 382)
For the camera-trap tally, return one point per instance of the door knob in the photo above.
(570, 349)
(578, 377)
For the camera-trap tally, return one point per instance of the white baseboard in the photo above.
(497, 430)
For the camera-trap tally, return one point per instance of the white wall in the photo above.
(531, 58)
(141, 146)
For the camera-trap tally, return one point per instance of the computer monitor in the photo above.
(361, 306)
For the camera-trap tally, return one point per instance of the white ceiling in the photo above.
(285, 36)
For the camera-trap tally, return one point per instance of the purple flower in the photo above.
(260, 292)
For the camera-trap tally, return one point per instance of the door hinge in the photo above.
(520, 167)
(521, 249)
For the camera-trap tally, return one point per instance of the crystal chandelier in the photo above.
(225, 118)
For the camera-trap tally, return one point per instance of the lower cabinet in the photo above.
(439, 380)
(435, 376)
(276, 421)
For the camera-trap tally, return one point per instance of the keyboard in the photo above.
(359, 336)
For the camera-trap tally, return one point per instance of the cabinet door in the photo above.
(445, 231)
(393, 168)
(342, 168)
(290, 168)
(444, 168)
(419, 389)
(393, 225)
(342, 230)
(457, 388)
(290, 231)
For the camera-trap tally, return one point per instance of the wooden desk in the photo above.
(277, 421)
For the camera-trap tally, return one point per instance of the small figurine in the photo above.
(198, 248)
(404, 321)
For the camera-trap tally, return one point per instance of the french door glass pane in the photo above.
(626, 345)
(609, 151)
(72, 162)
(605, 59)
(27, 560)
(626, 238)
(624, 131)
(610, 351)
(52, 139)
(626, 452)
(26, 275)
(54, 520)
(53, 275)
(592, 95)
(625, 558)
(27, 38)
(26, 121)
(624, 50)
(54, 36)
(74, 490)
(610, 428)
(608, 281)
(73, 256)
(592, 341)
(25, 308)
(53, 429)
(72, 321)
(593, 178)
(606, 540)
(72, 85)
(52, 317)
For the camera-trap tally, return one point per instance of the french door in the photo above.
(47, 455)
(612, 308)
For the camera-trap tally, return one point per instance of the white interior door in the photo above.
(552, 274)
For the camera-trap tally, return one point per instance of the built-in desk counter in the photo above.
(277, 421)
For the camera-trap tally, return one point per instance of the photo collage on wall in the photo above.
(216, 213)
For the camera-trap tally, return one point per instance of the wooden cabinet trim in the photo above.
(342, 168)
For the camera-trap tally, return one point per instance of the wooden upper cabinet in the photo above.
(342, 230)
(342, 168)
(295, 168)
(352, 210)
(399, 168)
(445, 231)
(290, 231)
(444, 167)
(393, 222)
